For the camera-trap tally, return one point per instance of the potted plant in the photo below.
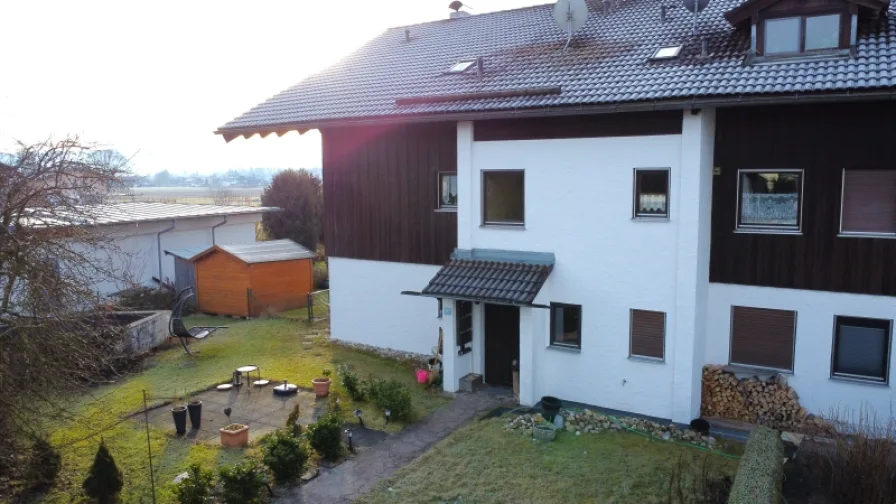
(194, 408)
(322, 385)
(179, 413)
(234, 435)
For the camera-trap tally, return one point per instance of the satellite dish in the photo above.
(695, 6)
(571, 16)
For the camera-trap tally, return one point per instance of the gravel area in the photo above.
(593, 422)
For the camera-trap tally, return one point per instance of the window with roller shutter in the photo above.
(648, 334)
(868, 206)
(762, 337)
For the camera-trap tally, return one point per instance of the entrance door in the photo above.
(502, 343)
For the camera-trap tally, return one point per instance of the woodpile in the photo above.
(771, 402)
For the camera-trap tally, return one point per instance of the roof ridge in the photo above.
(471, 16)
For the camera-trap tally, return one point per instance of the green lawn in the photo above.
(275, 345)
(482, 463)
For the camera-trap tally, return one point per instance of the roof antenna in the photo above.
(456, 6)
(695, 6)
(570, 16)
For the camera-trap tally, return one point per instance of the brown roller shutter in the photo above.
(869, 201)
(762, 337)
(648, 334)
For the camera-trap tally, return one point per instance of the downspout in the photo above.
(216, 226)
(159, 246)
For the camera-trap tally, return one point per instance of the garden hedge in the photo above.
(761, 471)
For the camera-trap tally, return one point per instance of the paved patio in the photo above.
(357, 476)
(256, 407)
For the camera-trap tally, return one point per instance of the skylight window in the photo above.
(667, 52)
(461, 66)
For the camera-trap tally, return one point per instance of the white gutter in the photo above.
(159, 246)
(216, 226)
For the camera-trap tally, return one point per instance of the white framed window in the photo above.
(651, 193)
(861, 349)
(448, 190)
(503, 198)
(769, 200)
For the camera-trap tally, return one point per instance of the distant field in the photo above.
(250, 196)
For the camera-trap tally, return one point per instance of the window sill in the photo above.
(644, 218)
(649, 360)
(767, 231)
(752, 370)
(859, 381)
(887, 236)
(508, 227)
(565, 348)
(445, 210)
(824, 55)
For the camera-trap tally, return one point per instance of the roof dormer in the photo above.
(784, 29)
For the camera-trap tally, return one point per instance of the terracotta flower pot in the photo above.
(235, 437)
(321, 386)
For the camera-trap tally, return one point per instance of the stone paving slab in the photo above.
(357, 476)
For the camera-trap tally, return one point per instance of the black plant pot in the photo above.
(180, 419)
(195, 410)
(550, 406)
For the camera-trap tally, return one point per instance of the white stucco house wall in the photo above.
(662, 201)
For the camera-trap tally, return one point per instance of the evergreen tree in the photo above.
(104, 480)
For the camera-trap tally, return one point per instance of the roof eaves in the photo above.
(566, 110)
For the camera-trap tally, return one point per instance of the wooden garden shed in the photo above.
(247, 280)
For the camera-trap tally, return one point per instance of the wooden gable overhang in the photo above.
(751, 10)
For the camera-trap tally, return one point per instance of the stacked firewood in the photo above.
(772, 402)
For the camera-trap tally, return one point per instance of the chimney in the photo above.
(459, 14)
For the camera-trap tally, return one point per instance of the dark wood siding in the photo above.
(762, 337)
(648, 334)
(381, 190)
(584, 126)
(822, 140)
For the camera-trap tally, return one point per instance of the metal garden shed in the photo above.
(248, 280)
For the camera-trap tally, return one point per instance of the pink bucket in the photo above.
(422, 376)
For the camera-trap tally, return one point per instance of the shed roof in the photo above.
(186, 253)
(262, 252)
(609, 63)
(124, 213)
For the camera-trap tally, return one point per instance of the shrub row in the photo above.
(386, 394)
(761, 472)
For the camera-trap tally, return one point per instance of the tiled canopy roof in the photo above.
(499, 281)
(608, 63)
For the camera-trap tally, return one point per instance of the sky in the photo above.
(155, 79)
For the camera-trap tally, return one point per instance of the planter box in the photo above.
(235, 438)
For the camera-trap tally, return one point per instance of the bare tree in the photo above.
(52, 336)
(222, 196)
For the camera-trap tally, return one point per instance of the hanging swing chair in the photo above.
(176, 327)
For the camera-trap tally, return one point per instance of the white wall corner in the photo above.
(694, 209)
(528, 344)
(451, 363)
(478, 354)
(465, 185)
